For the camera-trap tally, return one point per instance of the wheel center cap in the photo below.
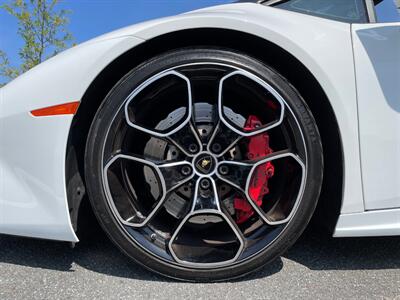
(204, 163)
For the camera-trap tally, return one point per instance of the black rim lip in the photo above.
(200, 212)
(294, 210)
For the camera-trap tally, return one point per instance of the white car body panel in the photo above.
(33, 199)
(370, 223)
(377, 64)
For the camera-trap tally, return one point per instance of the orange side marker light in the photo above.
(62, 109)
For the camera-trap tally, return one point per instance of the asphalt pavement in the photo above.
(316, 267)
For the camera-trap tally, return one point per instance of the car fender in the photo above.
(33, 199)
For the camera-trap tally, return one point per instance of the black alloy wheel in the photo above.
(203, 164)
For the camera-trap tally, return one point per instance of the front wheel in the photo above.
(203, 164)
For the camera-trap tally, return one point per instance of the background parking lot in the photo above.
(316, 267)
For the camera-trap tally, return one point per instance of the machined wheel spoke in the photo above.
(233, 224)
(175, 174)
(187, 140)
(170, 176)
(236, 124)
(205, 196)
(171, 125)
(206, 219)
(240, 174)
(177, 127)
(222, 140)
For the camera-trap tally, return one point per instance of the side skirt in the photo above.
(369, 223)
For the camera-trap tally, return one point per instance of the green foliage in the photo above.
(5, 69)
(43, 30)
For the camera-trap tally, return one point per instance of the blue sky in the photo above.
(386, 12)
(91, 18)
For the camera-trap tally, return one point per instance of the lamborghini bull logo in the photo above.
(205, 164)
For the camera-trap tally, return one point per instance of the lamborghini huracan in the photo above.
(206, 142)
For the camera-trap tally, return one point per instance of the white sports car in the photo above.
(205, 141)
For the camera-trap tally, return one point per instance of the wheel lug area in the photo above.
(223, 170)
(193, 148)
(186, 170)
(216, 148)
(205, 183)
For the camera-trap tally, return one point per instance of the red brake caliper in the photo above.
(258, 148)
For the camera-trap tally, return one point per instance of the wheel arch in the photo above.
(269, 53)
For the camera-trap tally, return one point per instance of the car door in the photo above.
(377, 66)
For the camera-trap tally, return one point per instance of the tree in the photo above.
(42, 28)
(5, 69)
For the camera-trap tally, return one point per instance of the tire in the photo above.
(280, 226)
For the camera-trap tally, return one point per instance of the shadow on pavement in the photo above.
(318, 251)
(314, 250)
